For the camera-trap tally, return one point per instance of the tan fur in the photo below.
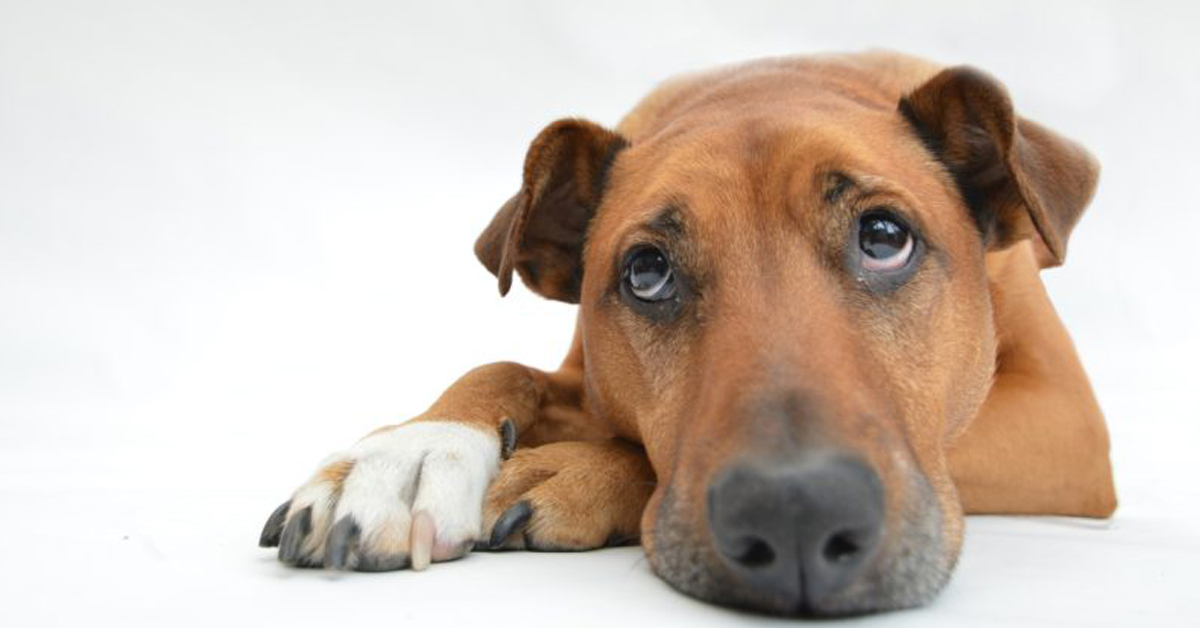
(335, 473)
(962, 391)
(1039, 420)
(1039, 444)
(583, 494)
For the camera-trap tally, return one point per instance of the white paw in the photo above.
(399, 497)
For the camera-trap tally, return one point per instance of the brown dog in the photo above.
(811, 334)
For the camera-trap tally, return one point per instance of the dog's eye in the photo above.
(648, 275)
(885, 243)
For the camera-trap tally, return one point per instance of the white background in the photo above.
(235, 236)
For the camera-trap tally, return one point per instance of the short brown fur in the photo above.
(961, 389)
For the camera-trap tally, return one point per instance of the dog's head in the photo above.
(783, 296)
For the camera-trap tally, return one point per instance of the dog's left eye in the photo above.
(886, 244)
(648, 275)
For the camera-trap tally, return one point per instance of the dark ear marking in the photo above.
(1017, 179)
(540, 231)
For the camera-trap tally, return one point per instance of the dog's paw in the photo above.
(568, 496)
(402, 496)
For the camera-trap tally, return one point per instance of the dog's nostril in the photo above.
(841, 547)
(756, 553)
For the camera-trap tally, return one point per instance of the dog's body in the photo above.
(811, 326)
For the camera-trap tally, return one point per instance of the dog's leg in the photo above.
(569, 496)
(411, 493)
(1039, 445)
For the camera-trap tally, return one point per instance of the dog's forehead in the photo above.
(765, 159)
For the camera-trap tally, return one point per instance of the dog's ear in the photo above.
(1018, 179)
(541, 230)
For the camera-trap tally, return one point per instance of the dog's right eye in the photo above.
(648, 275)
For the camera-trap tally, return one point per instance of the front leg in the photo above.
(411, 493)
(569, 496)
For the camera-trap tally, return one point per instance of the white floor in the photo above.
(235, 236)
(155, 558)
(159, 527)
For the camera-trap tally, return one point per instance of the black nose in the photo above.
(800, 530)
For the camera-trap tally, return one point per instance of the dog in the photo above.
(811, 335)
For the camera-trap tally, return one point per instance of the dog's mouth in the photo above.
(814, 538)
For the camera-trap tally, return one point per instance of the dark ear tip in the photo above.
(504, 273)
(1057, 253)
(964, 81)
(970, 74)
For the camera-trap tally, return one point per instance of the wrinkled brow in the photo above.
(835, 184)
(838, 186)
(670, 221)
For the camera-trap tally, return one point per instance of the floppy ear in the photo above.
(541, 230)
(1018, 179)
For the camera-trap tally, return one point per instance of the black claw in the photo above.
(370, 562)
(617, 539)
(513, 519)
(294, 532)
(508, 438)
(274, 526)
(341, 543)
